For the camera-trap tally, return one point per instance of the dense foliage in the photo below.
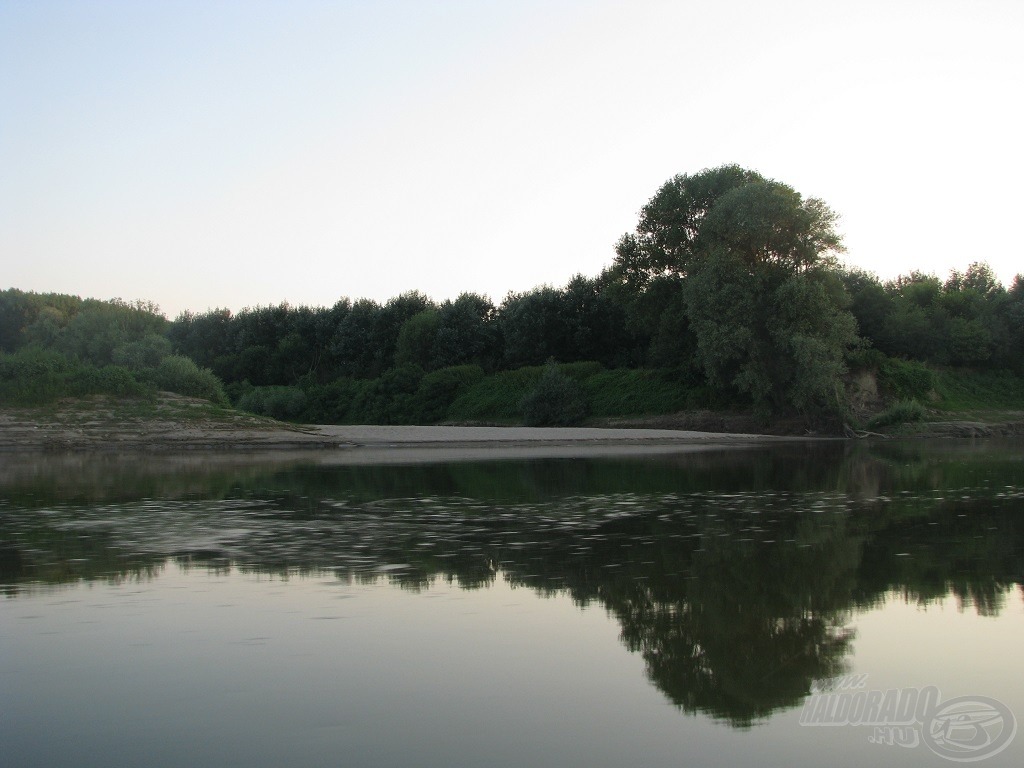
(729, 292)
(968, 320)
(53, 346)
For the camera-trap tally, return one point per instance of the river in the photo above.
(795, 604)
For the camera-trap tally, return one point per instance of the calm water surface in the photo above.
(721, 608)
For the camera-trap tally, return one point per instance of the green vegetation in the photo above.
(905, 379)
(966, 390)
(903, 412)
(54, 346)
(556, 401)
(727, 294)
(640, 392)
(754, 303)
(35, 376)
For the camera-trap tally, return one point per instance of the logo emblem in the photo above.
(969, 728)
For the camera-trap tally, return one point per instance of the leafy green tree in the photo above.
(758, 285)
(45, 331)
(146, 352)
(726, 208)
(596, 323)
(16, 313)
(768, 223)
(870, 304)
(1011, 351)
(352, 342)
(672, 344)
(416, 338)
(534, 327)
(388, 325)
(207, 339)
(468, 333)
(99, 327)
(669, 238)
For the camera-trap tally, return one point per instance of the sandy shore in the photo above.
(179, 429)
(369, 435)
(380, 444)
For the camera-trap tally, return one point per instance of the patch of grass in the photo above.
(905, 379)
(903, 412)
(967, 390)
(496, 397)
(34, 376)
(635, 392)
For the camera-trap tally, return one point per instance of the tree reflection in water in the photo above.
(733, 574)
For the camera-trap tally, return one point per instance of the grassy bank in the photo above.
(464, 394)
(909, 395)
(35, 377)
(908, 392)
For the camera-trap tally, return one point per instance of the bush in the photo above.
(580, 371)
(284, 403)
(108, 380)
(389, 398)
(34, 376)
(439, 389)
(179, 374)
(556, 401)
(497, 397)
(145, 353)
(903, 412)
(330, 403)
(905, 379)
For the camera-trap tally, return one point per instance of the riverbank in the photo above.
(172, 423)
(176, 424)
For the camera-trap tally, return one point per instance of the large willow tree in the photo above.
(751, 267)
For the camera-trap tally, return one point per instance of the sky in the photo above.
(232, 154)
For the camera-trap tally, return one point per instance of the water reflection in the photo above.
(733, 575)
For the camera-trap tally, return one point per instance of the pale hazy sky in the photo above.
(204, 154)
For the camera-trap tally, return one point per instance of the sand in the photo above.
(182, 431)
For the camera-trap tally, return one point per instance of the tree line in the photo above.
(731, 283)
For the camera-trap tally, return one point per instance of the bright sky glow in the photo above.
(205, 154)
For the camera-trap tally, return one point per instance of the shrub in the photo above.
(903, 412)
(438, 390)
(905, 379)
(580, 371)
(556, 401)
(285, 403)
(179, 374)
(146, 352)
(496, 397)
(329, 403)
(34, 376)
(108, 380)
